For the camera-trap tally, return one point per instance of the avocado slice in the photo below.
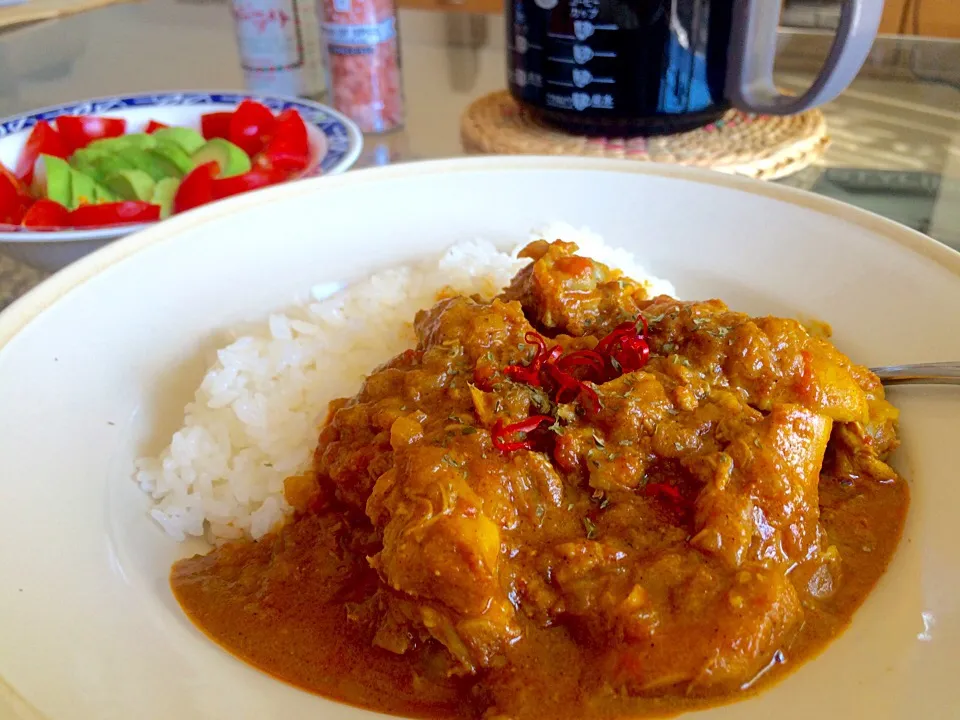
(89, 162)
(83, 161)
(140, 141)
(188, 139)
(154, 166)
(165, 164)
(87, 155)
(231, 159)
(163, 194)
(104, 146)
(54, 179)
(170, 152)
(131, 184)
(102, 194)
(107, 165)
(95, 165)
(83, 190)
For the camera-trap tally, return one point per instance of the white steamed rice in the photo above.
(255, 418)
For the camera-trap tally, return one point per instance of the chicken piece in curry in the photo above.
(571, 501)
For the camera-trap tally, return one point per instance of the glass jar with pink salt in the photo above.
(363, 62)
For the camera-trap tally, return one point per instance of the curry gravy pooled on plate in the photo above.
(573, 501)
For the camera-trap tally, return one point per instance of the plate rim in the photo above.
(31, 117)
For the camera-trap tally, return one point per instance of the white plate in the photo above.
(96, 364)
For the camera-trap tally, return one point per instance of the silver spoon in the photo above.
(944, 373)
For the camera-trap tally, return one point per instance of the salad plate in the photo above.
(335, 143)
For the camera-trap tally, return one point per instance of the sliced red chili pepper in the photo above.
(567, 387)
(624, 349)
(46, 213)
(196, 188)
(288, 149)
(215, 125)
(625, 346)
(78, 131)
(620, 331)
(115, 213)
(590, 359)
(522, 374)
(501, 432)
(553, 354)
(532, 338)
(13, 205)
(153, 126)
(589, 398)
(43, 140)
(646, 328)
(529, 374)
(236, 184)
(251, 126)
(633, 354)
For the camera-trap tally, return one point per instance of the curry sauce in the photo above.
(571, 501)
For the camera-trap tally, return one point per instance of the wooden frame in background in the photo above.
(933, 18)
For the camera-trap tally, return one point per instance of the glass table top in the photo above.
(895, 133)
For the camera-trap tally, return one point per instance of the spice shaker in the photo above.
(280, 49)
(363, 61)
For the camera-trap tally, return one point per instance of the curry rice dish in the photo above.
(572, 501)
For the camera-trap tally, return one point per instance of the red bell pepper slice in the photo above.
(282, 164)
(252, 180)
(43, 140)
(13, 204)
(196, 188)
(215, 125)
(288, 150)
(46, 213)
(153, 126)
(115, 213)
(21, 188)
(78, 131)
(251, 126)
(8, 173)
(285, 165)
(291, 128)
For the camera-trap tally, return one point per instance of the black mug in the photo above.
(648, 67)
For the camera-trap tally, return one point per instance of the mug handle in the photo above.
(753, 45)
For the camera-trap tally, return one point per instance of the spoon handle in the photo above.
(945, 373)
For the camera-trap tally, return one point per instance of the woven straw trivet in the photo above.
(758, 146)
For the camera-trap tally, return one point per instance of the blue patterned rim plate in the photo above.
(343, 139)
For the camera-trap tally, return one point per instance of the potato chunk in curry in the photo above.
(665, 532)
